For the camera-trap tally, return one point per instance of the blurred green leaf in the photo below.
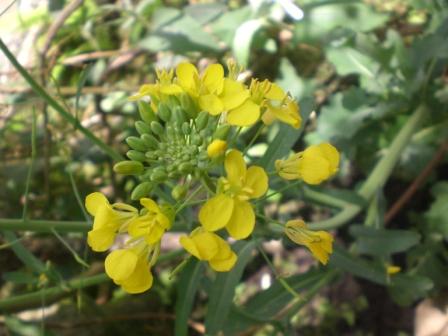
(186, 292)
(341, 259)
(226, 25)
(20, 277)
(205, 12)
(382, 242)
(244, 36)
(437, 215)
(223, 289)
(406, 288)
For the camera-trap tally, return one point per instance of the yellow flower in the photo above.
(217, 94)
(163, 87)
(230, 207)
(320, 243)
(130, 269)
(109, 219)
(209, 247)
(216, 148)
(150, 225)
(314, 165)
(275, 103)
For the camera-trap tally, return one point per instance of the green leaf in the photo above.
(223, 289)
(341, 259)
(226, 25)
(437, 215)
(186, 291)
(205, 12)
(20, 277)
(179, 34)
(381, 242)
(406, 288)
(264, 306)
(348, 61)
(244, 36)
(286, 137)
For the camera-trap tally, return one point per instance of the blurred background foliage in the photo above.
(359, 68)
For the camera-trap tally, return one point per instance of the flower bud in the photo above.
(136, 155)
(141, 190)
(222, 132)
(136, 143)
(142, 127)
(164, 112)
(146, 112)
(179, 192)
(150, 141)
(186, 128)
(186, 167)
(128, 168)
(201, 120)
(216, 148)
(158, 175)
(157, 128)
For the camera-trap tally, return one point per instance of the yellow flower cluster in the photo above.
(218, 95)
(183, 135)
(130, 266)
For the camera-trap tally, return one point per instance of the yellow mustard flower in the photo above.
(314, 165)
(320, 243)
(151, 225)
(109, 219)
(210, 247)
(275, 103)
(217, 94)
(216, 148)
(164, 86)
(130, 269)
(230, 207)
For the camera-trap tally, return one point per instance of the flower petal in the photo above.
(235, 167)
(120, 264)
(140, 280)
(332, 155)
(216, 212)
(187, 76)
(213, 78)
(244, 115)
(242, 222)
(275, 92)
(211, 103)
(224, 265)
(257, 180)
(234, 94)
(202, 245)
(150, 205)
(100, 239)
(94, 201)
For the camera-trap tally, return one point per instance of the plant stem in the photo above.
(43, 225)
(54, 104)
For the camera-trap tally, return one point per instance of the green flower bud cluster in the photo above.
(172, 144)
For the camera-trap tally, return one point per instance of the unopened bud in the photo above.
(146, 112)
(222, 132)
(216, 148)
(128, 168)
(202, 120)
(142, 127)
(179, 192)
(164, 112)
(141, 190)
(150, 141)
(136, 143)
(157, 128)
(136, 155)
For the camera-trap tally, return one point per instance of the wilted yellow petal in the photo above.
(393, 269)
(94, 201)
(242, 222)
(244, 115)
(120, 264)
(257, 180)
(216, 212)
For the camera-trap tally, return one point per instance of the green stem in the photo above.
(53, 294)
(254, 138)
(54, 104)
(322, 198)
(43, 225)
(379, 174)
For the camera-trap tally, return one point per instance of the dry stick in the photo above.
(412, 189)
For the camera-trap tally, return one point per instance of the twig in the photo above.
(69, 90)
(82, 58)
(59, 22)
(411, 190)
